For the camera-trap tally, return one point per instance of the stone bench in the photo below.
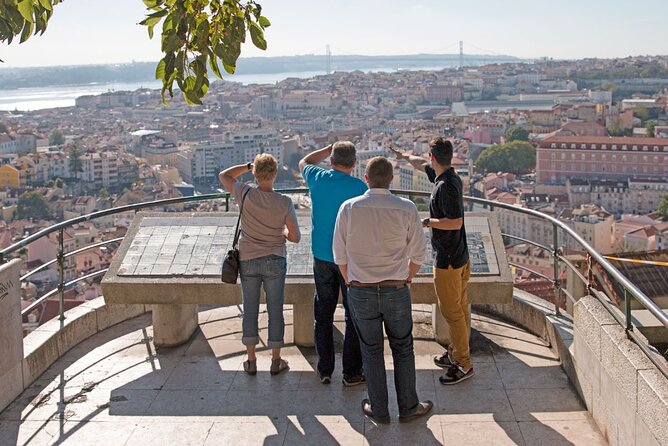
(172, 262)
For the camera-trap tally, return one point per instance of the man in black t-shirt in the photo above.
(451, 264)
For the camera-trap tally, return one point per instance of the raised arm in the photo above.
(229, 176)
(417, 162)
(316, 157)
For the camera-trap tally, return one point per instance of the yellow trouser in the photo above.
(450, 285)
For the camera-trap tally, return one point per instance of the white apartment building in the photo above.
(203, 161)
(51, 165)
(592, 223)
(100, 169)
(18, 143)
(629, 196)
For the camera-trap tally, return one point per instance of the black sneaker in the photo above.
(325, 379)
(354, 380)
(456, 374)
(444, 361)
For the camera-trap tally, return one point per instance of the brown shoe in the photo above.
(366, 409)
(423, 408)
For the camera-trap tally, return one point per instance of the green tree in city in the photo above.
(74, 156)
(518, 157)
(32, 205)
(103, 193)
(516, 133)
(641, 113)
(56, 138)
(3, 127)
(195, 34)
(615, 130)
(662, 210)
(651, 125)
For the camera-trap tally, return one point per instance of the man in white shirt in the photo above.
(379, 246)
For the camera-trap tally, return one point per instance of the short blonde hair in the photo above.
(265, 167)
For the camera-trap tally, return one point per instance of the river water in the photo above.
(25, 99)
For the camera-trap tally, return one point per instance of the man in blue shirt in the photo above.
(329, 188)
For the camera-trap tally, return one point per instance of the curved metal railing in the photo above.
(631, 291)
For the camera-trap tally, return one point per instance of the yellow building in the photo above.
(10, 176)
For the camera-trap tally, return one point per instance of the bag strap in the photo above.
(237, 231)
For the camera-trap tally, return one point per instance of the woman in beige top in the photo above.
(268, 219)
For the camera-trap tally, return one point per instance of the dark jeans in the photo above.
(328, 284)
(373, 307)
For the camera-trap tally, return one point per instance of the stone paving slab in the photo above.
(195, 246)
(117, 389)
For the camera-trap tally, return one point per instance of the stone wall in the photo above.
(625, 393)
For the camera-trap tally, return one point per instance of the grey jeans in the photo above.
(268, 272)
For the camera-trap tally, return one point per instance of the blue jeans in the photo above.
(268, 271)
(373, 307)
(328, 283)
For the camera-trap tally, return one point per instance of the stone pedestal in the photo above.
(173, 324)
(302, 319)
(440, 326)
(11, 333)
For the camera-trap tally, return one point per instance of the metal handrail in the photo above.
(527, 241)
(529, 270)
(70, 254)
(614, 273)
(37, 302)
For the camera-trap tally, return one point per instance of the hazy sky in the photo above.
(106, 31)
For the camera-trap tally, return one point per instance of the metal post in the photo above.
(227, 203)
(590, 274)
(627, 310)
(61, 272)
(555, 255)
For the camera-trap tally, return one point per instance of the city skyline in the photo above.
(76, 36)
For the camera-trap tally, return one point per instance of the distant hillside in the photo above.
(11, 78)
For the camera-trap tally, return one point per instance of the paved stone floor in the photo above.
(115, 389)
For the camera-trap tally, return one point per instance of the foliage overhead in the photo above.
(516, 133)
(32, 205)
(196, 34)
(518, 157)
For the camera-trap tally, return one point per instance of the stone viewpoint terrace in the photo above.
(107, 372)
(116, 389)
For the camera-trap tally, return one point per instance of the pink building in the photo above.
(599, 157)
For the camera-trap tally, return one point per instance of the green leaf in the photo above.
(264, 22)
(27, 31)
(26, 10)
(229, 68)
(46, 4)
(160, 70)
(213, 63)
(257, 35)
